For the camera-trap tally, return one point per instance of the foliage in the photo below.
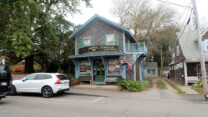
(131, 85)
(154, 25)
(180, 91)
(198, 87)
(161, 85)
(75, 81)
(37, 28)
(199, 84)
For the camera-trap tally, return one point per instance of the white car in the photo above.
(45, 83)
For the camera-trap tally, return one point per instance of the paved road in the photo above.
(98, 103)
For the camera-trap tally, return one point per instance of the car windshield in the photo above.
(62, 77)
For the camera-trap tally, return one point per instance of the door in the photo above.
(149, 73)
(99, 71)
(24, 85)
(39, 81)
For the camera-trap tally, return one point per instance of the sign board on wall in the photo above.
(98, 48)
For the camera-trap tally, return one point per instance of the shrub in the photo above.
(131, 85)
(74, 81)
(199, 84)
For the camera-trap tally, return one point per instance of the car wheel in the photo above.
(13, 90)
(47, 92)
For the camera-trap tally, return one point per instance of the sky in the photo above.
(104, 8)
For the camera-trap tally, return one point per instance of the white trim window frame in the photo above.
(86, 41)
(110, 39)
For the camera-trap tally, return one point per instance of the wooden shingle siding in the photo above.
(180, 57)
(130, 72)
(97, 31)
(178, 74)
(137, 71)
(205, 36)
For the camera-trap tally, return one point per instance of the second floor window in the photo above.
(110, 39)
(86, 41)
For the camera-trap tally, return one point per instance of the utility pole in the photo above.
(203, 69)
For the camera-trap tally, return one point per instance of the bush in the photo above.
(199, 84)
(131, 85)
(74, 81)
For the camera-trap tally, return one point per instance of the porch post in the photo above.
(185, 73)
(91, 68)
(141, 71)
(77, 68)
(124, 69)
(124, 42)
(75, 46)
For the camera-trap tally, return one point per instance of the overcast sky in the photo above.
(103, 8)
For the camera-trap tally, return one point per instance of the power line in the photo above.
(187, 23)
(179, 5)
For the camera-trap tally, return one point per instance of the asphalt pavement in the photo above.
(152, 102)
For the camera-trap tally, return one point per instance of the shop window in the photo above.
(114, 66)
(85, 68)
(110, 39)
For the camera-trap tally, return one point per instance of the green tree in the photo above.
(35, 27)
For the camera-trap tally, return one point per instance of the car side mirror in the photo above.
(24, 80)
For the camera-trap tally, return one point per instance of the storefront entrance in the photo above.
(98, 71)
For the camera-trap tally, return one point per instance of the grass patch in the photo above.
(199, 90)
(161, 85)
(179, 91)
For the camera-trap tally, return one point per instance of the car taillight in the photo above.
(58, 80)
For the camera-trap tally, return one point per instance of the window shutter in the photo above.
(91, 41)
(81, 44)
(104, 40)
(116, 36)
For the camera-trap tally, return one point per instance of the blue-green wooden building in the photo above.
(99, 46)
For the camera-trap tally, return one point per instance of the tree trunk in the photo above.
(29, 64)
(162, 61)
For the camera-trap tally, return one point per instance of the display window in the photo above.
(85, 68)
(114, 66)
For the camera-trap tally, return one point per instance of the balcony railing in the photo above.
(137, 47)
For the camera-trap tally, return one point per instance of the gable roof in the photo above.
(189, 45)
(104, 20)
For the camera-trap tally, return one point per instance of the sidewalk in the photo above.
(97, 87)
(187, 89)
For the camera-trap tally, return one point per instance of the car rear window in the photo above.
(3, 72)
(2, 69)
(62, 77)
